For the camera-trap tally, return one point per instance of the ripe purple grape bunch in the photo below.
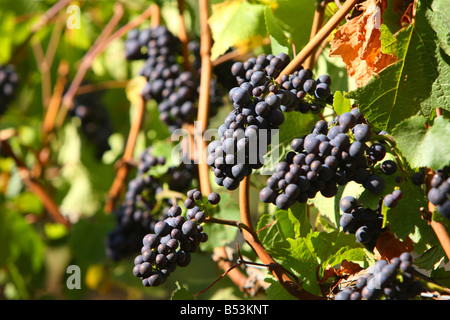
(330, 156)
(365, 223)
(174, 239)
(393, 280)
(259, 105)
(137, 215)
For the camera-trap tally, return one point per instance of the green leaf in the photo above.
(417, 83)
(276, 291)
(21, 244)
(234, 23)
(298, 217)
(440, 21)
(274, 231)
(309, 256)
(405, 220)
(340, 103)
(90, 249)
(388, 41)
(181, 293)
(278, 40)
(295, 18)
(430, 147)
(6, 36)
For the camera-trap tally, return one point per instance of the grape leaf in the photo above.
(295, 18)
(181, 293)
(440, 21)
(340, 103)
(309, 256)
(234, 23)
(358, 43)
(417, 83)
(6, 36)
(21, 243)
(430, 148)
(387, 41)
(278, 40)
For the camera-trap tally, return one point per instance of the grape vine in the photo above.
(139, 143)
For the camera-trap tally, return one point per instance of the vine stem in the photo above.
(98, 46)
(204, 99)
(183, 36)
(43, 21)
(251, 237)
(95, 50)
(317, 23)
(122, 171)
(35, 187)
(55, 100)
(316, 41)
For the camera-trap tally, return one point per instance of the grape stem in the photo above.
(251, 238)
(204, 99)
(316, 41)
(183, 36)
(127, 157)
(35, 187)
(98, 47)
(55, 100)
(317, 23)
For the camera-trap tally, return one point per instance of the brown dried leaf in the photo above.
(388, 246)
(358, 43)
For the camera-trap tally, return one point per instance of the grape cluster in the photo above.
(95, 121)
(331, 155)
(173, 241)
(139, 212)
(247, 131)
(151, 43)
(365, 223)
(439, 193)
(9, 80)
(390, 281)
(298, 91)
(175, 90)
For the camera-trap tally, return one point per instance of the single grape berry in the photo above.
(214, 198)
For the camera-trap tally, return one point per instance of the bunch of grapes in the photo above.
(390, 281)
(365, 223)
(173, 240)
(139, 212)
(175, 90)
(248, 129)
(150, 43)
(95, 121)
(9, 80)
(298, 91)
(439, 193)
(330, 156)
